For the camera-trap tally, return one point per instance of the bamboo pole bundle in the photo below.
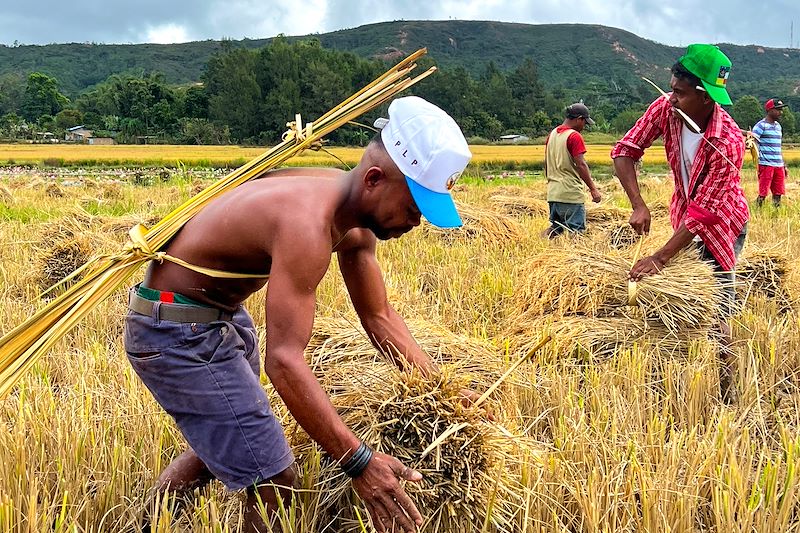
(98, 279)
(587, 278)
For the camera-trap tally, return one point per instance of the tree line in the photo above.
(246, 96)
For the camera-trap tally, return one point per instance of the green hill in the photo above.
(570, 56)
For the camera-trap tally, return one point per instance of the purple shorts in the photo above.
(206, 376)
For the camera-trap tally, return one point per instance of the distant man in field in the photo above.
(708, 207)
(196, 348)
(567, 173)
(771, 167)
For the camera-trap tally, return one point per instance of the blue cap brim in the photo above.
(437, 207)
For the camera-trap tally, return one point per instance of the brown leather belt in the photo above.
(177, 312)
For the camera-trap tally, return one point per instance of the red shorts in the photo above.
(771, 179)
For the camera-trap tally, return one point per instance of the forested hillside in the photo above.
(494, 78)
(567, 55)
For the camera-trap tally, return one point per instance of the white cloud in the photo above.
(675, 23)
(166, 34)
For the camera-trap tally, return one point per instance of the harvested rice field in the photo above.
(57, 155)
(614, 425)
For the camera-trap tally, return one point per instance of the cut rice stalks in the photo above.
(591, 338)
(337, 341)
(763, 272)
(521, 205)
(486, 224)
(586, 278)
(469, 466)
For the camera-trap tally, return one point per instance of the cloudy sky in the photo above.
(677, 22)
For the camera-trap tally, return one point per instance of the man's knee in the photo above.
(288, 478)
(283, 483)
(184, 474)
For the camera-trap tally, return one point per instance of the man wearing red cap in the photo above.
(771, 167)
(704, 149)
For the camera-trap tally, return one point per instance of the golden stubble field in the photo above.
(209, 155)
(597, 432)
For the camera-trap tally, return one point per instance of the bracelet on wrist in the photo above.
(357, 462)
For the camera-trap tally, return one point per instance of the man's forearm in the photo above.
(626, 174)
(679, 240)
(391, 335)
(309, 404)
(586, 176)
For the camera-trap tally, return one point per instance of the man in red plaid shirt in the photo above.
(708, 206)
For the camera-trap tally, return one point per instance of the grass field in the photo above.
(632, 439)
(522, 156)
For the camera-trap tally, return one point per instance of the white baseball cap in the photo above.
(428, 147)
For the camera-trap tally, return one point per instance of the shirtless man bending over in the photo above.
(195, 347)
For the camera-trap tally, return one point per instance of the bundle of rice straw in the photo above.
(469, 466)
(111, 191)
(590, 338)
(763, 272)
(585, 278)
(59, 258)
(103, 275)
(339, 340)
(658, 209)
(479, 222)
(63, 246)
(521, 205)
(621, 235)
(601, 213)
(5, 195)
(53, 190)
(119, 226)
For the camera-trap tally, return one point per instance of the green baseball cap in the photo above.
(708, 63)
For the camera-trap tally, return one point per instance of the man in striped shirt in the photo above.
(708, 206)
(771, 167)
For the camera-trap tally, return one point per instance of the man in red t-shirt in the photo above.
(567, 172)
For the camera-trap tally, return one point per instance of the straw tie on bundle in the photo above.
(633, 287)
(296, 131)
(102, 276)
(139, 248)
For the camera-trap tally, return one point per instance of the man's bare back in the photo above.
(233, 233)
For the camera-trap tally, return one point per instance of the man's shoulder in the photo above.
(283, 205)
(656, 114)
(562, 128)
(356, 239)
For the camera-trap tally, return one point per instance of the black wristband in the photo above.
(358, 462)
